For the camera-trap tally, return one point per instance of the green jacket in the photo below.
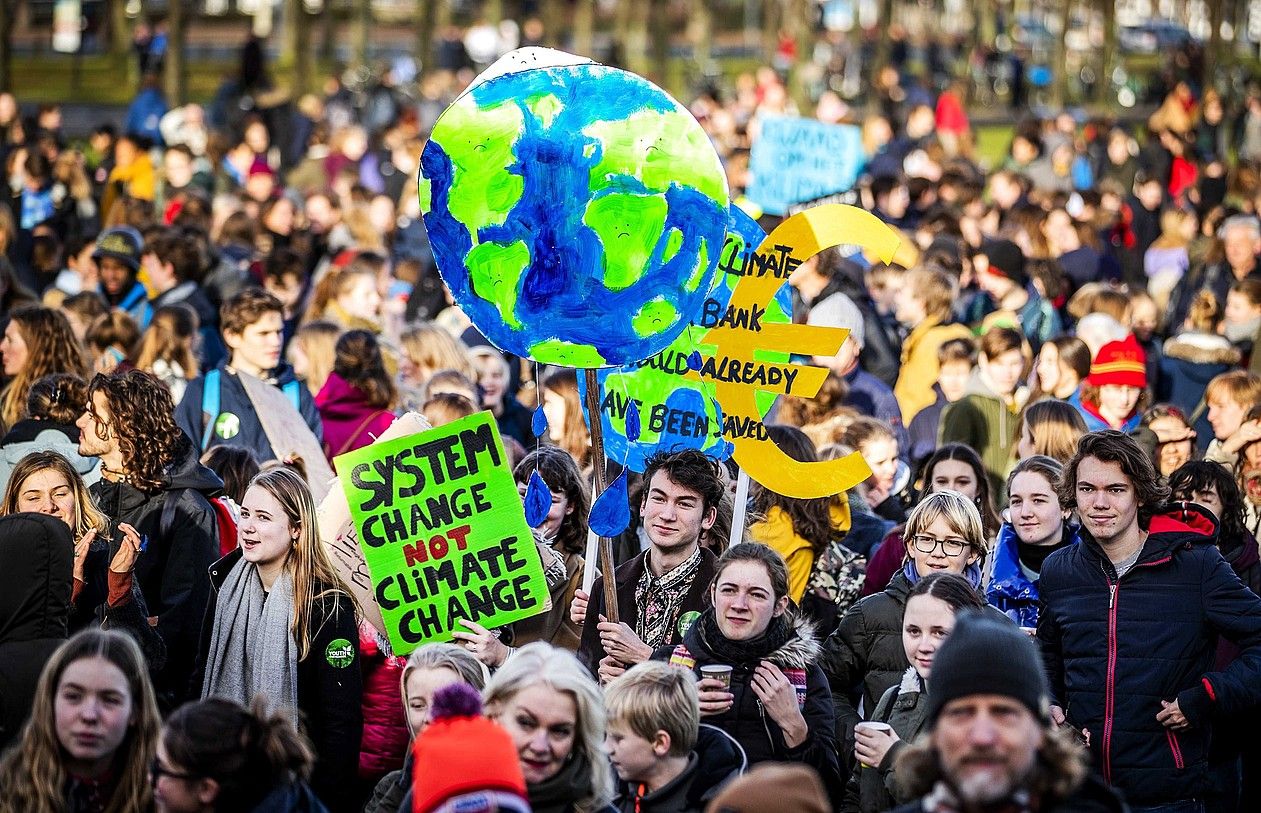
(905, 708)
(983, 420)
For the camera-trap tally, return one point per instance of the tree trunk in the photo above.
(636, 39)
(426, 24)
(6, 45)
(661, 31)
(771, 15)
(554, 13)
(800, 26)
(119, 28)
(584, 27)
(1213, 53)
(361, 31)
(174, 85)
(884, 46)
(1059, 62)
(701, 34)
(1107, 57)
(296, 49)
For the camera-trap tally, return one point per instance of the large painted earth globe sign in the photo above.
(576, 211)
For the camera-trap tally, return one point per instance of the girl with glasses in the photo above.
(944, 534)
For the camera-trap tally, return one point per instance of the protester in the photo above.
(864, 656)
(1175, 439)
(117, 255)
(1037, 527)
(356, 400)
(924, 308)
(90, 739)
(494, 377)
(1114, 394)
(216, 407)
(1050, 428)
(151, 480)
(663, 590)
(775, 699)
(37, 342)
(429, 669)
(280, 622)
(563, 408)
(53, 404)
(927, 622)
(217, 755)
(990, 744)
(878, 445)
(1155, 707)
(1063, 364)
(166, 348)
(664, 758)
(554, 714)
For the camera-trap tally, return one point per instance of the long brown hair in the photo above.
(169, 337)
(357, 359)
(32, 773)
(314, 577)
(51, 348)
(574, 437)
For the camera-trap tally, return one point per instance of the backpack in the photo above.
(225, 518)
(836, 577)
(210, 403)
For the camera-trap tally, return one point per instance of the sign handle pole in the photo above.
(601, 483)
(741, 506)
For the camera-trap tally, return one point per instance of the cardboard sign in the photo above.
(288, 433)
(341, 541)
(677, 412)
(738, 374)
(796, 160)
(443, 532)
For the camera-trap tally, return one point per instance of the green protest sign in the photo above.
(443, 532)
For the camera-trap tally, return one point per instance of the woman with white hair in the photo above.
(554, 713)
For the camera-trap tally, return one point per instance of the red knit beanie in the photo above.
(462, 755)
(1122, 363)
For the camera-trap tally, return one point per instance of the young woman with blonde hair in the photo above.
(313, 353)
(90, 738)
(281, 622)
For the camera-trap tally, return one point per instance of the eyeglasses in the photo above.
(927, 544)
(157, 771)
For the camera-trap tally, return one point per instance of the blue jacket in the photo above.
(1010, 589)
(1115, 648)
(232, 398)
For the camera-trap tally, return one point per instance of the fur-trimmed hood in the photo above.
(802, 650)
(1202, 348)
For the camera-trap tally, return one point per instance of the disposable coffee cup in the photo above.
(719, 672)
(871, 726)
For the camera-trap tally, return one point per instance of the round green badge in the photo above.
(227, 425)
(686, 621)
(339, 653)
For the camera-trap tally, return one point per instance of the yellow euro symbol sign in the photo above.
(737, 375)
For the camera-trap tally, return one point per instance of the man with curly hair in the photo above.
(1129, 627)
(152, 480)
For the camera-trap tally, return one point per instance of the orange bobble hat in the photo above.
(465, 762)
(1122, 363)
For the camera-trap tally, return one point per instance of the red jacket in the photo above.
(385, 733)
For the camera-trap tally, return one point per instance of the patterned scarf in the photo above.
(660, 599)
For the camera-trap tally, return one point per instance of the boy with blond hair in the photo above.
(666, 761)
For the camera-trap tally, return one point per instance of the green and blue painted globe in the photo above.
(576, 213)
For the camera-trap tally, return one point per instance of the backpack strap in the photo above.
(293, 390)
(209, 404)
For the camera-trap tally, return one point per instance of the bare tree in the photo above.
(1213, 57)
(1059, 62)
(174, 83)
(6, 44)
(360, 31)
(584, 27)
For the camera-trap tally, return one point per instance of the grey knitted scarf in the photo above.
(251, 648)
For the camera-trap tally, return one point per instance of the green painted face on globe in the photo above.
(576, 213)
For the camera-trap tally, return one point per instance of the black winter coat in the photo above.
(1115, 648)
(716, 760)
(751, 726)
(232, 398)
(864, 657)
(330, 696)
(627, 575)
(36, 559)
(171, 573)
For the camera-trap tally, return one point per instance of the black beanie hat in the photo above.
(987, 656)
(1006, 260)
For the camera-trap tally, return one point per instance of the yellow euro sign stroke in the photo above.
(805, 234)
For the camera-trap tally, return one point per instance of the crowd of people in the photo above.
(1043, 598)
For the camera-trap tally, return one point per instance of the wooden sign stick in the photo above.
(601, 483)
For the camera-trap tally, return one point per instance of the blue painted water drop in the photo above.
(538, 501)
(694, 360)
(539, 422)
(610, 513)
(632, 421)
